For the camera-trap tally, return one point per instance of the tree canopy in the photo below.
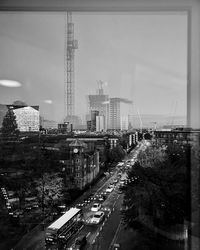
(49, 188)
(158, 189)
(9, 125)
(117, 154)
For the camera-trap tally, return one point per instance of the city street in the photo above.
(97, 151)
(34, 240)
(106, 228)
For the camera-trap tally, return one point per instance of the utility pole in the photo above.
(70, 46)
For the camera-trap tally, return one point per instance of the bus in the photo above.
(64, 227)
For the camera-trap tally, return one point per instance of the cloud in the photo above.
(10, 83)
(48, 101)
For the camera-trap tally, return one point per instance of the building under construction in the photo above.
(99, 103)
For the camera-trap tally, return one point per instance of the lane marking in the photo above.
(88, 234)
(115, 236)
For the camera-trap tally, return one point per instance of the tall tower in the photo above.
(70, 46)
(100, 103)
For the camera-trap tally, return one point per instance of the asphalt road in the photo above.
(34, 240)
(100, 236)
(107, 235)
(110, 222)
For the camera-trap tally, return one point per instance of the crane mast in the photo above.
(70, 46)
(141, 125)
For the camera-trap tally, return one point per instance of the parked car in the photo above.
(97, 217)
(95, 207)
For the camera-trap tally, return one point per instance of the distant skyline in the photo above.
(141, 57)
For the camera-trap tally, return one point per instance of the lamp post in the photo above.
(42, 173)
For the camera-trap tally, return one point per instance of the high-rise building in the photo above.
(119, 111)
(100, 123)
(94, 114)
(27, 117)
(100, 103)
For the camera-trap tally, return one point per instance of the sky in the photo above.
(139, 56)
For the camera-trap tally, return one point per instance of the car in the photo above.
(54, 213)
(102, 198)
(79, 205)
(95, 198)
(109, 189)
(28, 208)
(103, 193)
(62, 206)
(106, 173)
(86, 201)
(80, 242)
(105, 208)
(97, 217)
(95, 207)
(122, 181)
(18, 212)
(116, 246)
(112, 184)
(64, 211)
(88, 219)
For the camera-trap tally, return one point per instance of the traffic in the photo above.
(84, 219)
(79, 226)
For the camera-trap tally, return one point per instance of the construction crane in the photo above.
(172, 114)
(141, 125)
(70, 46)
